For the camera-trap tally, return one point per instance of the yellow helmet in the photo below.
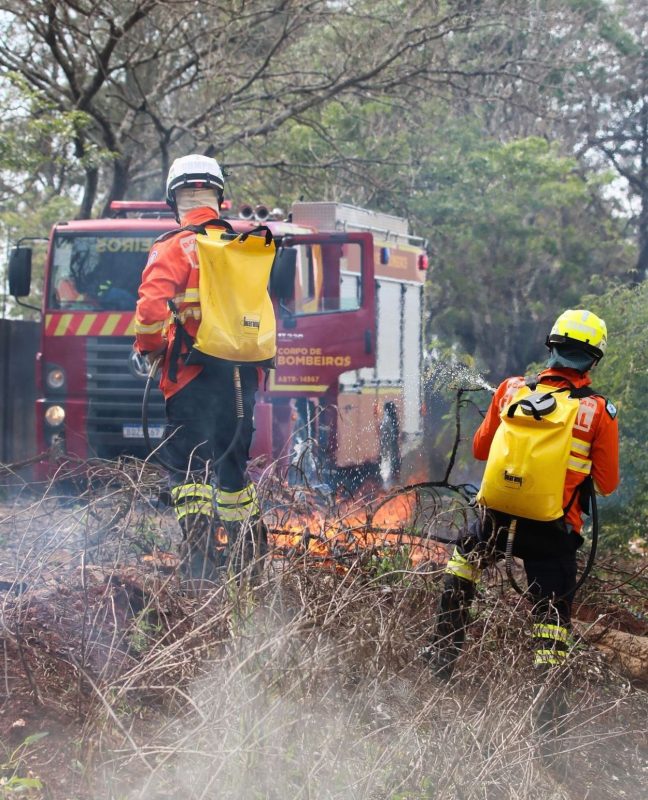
(581, 329)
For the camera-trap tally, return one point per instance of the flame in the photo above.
(220, 534)
(160, 559)
(354, 533)
(340, 535)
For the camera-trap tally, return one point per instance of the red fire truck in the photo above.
(348, 289)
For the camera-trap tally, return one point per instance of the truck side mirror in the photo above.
(20, 264)
(282, 277)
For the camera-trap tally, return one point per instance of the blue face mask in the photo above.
(569, 357)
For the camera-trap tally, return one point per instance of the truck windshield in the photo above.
(99, 270)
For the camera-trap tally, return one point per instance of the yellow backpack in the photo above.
(237, 317)
(527, 462)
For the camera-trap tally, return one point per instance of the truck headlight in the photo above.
(55, 416)
(55, 378)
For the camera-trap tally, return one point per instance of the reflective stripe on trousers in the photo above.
(461, 567)
(237, 506)
(193, 498)
(551, 644)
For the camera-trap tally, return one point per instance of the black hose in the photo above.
(238, 398)
(153, 370)
(591, 558)
(512, 530)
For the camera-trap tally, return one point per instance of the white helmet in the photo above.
(196, 172)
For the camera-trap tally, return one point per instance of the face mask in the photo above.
(188, 199)
(571, 358)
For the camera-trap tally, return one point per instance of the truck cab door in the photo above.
(323, 288)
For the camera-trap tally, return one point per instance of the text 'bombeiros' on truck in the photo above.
(347, 284)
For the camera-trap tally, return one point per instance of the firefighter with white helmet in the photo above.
(577, 342)
(194, 181)
(200, 399)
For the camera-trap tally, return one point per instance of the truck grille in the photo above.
(115, 398)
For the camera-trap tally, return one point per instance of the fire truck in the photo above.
(347, 284)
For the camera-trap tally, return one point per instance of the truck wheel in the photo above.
(390, 458)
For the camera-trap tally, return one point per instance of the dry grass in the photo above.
(305, 685)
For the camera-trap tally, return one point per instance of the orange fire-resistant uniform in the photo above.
(171, 273)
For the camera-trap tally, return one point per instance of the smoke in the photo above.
(285, 711)
(305, 685)
(325, 705)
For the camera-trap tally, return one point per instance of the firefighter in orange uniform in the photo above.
(577, 342)
(199, 400)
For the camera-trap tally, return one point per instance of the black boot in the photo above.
(450, 627)
(550, 716)
(202, 556)
(247, 547)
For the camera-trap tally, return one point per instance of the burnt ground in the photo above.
(116, 684)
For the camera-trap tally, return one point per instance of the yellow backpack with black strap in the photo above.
(237, 321)
(527, 463)
(237, 317)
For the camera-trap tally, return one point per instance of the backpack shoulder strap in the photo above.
(202, 229)
(587, 391)
(574, 391)
(532, 381)
(181, 337)
(584, 391)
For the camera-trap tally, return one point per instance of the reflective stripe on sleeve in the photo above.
(580, 447)
(188, 296)
(154, 327)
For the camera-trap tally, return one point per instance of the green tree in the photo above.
(517, 230)
(157, 78)
(516, 234)
(623, 376)
(615, 116)
(36, 141)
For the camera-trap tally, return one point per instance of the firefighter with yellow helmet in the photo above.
(200, 397)
(546, 543)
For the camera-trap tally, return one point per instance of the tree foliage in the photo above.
(623, 376)
(516, 230)
(608, 104)
(36, 143)
(157, 78)
(516, 235)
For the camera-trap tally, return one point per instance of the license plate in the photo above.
(131, 430)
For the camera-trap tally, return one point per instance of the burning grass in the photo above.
(305, 685)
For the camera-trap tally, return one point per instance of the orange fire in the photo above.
(339, 535)
(351, 534)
